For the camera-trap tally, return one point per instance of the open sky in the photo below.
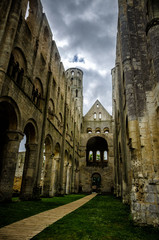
(85, 34)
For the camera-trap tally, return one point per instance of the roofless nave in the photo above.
(42, 101)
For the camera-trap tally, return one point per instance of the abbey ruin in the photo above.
(67, 152)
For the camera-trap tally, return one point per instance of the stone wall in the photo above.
(98, 129)
(36, 101)
(135, 109)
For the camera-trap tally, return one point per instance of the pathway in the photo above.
(31, 226)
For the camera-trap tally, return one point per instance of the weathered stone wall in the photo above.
(135, 109)
(35, 100)
(102, 129)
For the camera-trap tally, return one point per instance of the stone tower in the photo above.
(75, 78)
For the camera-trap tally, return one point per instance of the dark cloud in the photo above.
(85, 32)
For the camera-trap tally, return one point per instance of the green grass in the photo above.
(17, 210)
(103, 218)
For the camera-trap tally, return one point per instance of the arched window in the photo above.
(37, 92)
(97, 155)
(105, 156)
(100, 115)
(98, 130)
(51, 108)
(72, 73)
(89, 130)
(95, 115)
(17, 66)
(106, 130)
(90, 156)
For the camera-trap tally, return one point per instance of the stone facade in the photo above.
(97, 150)
(44, 103)
(136, 109)
(36, 100)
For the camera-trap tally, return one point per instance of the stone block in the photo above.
(150, 198)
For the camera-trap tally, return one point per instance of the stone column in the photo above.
(64, 178)
(47, 175)
(68, 182)
(29, 173)
(76, 180)
(10, 156)
(73, 180)
(55, 177)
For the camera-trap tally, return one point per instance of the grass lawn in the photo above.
(17, 210)
(103, 218)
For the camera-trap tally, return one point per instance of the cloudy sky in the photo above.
(85, 34)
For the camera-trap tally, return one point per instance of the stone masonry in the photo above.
(136, 109)
(43, 103)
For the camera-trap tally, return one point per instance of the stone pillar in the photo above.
(10, 156)
(47, 175)
(64, 178)
(29, 173)
(55, 177)
(68, 182)
(73, 180)
(76, 180)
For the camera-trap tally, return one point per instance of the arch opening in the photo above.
(97, 152)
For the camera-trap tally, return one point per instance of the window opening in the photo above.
(100, 115)
(27, 11)
(89, 130)
(105, 156)
(106, 130)
(98, 156)
(95, 115)
(97, 130)
(90, 156)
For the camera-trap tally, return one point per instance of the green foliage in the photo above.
(17, 210)
(103, 218)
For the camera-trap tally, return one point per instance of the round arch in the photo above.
(10, 110)
(48, 143)
(31, 131)
(97, 151)
(96, 181)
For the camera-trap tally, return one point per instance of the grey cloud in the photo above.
(90, 29)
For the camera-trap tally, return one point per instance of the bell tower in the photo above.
(75, 76)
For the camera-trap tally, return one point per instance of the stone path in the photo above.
(31, 226)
